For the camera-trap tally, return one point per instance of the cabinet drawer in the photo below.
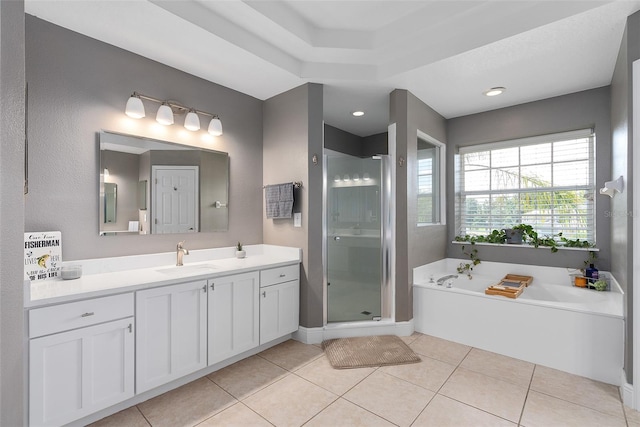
(63, 317)
(279, 275)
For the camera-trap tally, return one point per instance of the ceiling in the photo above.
(444, 52)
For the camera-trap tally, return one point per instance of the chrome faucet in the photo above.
(181, 251)
(443, 278)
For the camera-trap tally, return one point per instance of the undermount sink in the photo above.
(187, 269)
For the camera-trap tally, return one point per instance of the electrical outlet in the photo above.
(297, 219)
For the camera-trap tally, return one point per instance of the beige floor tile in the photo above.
(445, 412)
(130, 417)
(633, 416)
(337, 381)
(492, 395)
(544, 411)
(237, 415)
(247, 376)
(292, 354)
(344, 413)
(498, 366)
(411, 338)
(292, 401)
(583, 391)
(437, 348)
(429, 373)
(186, 405)
(390, 397)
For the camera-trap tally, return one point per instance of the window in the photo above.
(430, 181)
(547, 182)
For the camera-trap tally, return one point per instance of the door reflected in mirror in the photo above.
(165, 187)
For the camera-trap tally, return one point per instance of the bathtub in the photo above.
(552, 323)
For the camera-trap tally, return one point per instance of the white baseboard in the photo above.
(626, 392)
(355, 329)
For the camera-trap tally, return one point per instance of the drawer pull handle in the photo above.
(87, 314)
(213, 286)
(264, 294)
(204, 288)
(283, 275)
(130, 327)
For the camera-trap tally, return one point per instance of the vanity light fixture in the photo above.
(164, 115)
(366, 176)
(167, 110)
(346, 177)
(356, 177)
(135, 107)
(358, 113)
(336, 178)
(215, 126)
(495, 91)
(192, 121)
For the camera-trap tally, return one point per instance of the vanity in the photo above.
(134, 327)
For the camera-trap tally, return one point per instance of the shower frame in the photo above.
(387, 236)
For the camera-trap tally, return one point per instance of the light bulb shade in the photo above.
(164, 115)
(215, 127)
(192, 121)
(134, 108)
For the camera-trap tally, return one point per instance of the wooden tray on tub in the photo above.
(511, 286)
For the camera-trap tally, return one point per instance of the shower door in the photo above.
(354, 219)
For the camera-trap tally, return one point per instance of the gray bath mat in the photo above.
(361, 352)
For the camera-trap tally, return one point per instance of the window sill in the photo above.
(560, 248)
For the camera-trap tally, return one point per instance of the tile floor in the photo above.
(292, 384)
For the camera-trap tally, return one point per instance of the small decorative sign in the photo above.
(42, 255)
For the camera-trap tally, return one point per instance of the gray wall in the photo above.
(415, 245)
(621, 164)
(342, 141)
(564, 113)
(12, 83)
(292, 135)
(79, 86)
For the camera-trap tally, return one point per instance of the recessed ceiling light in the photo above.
(494, 91)
(358, 113)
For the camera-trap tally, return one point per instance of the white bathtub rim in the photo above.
(612, 306)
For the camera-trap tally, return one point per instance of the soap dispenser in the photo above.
(592, 274)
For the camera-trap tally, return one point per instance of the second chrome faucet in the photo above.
(181, 251)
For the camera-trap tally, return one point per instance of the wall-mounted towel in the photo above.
(279, 200)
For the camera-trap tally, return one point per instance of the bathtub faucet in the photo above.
(443, 278)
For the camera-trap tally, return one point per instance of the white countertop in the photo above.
(107, 276)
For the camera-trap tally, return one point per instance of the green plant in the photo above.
(600, 285)
(467, 267)
(530, 236)
(239, 246)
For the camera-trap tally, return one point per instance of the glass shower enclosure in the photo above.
(354, 223)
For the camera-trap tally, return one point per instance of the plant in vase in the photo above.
(240, 253)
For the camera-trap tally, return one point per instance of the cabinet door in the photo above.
(233, 315)
(73, 374)
(171, 337)
(279, 310)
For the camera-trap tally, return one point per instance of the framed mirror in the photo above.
(162, 187)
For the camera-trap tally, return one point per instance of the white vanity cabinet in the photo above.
(234, 315)
(279, 302)
(171, 340)
(81, 358)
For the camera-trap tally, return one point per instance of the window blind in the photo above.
(545, 181)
